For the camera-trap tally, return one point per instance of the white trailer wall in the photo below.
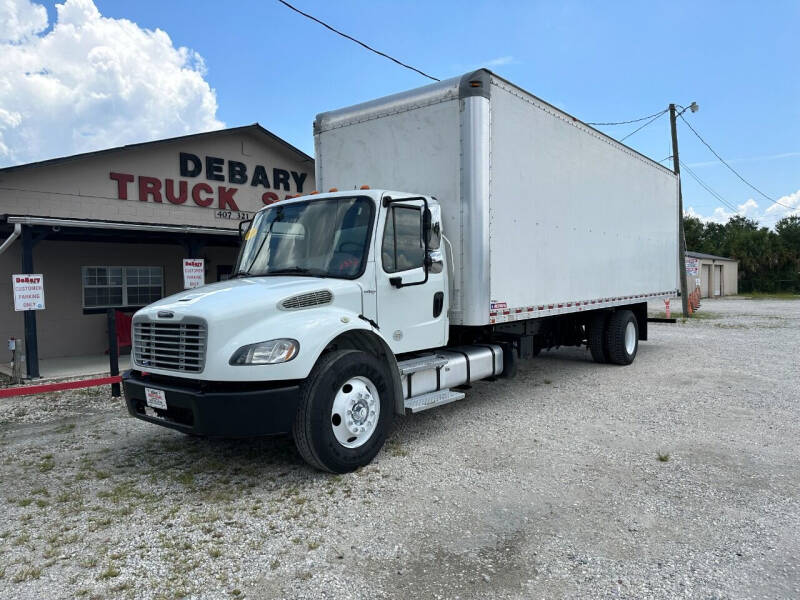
(544, 213)
(575, 216)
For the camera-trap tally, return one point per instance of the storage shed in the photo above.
(714, 275)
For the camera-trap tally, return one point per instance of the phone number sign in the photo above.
(28, 292)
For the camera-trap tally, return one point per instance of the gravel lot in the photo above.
(549, 485)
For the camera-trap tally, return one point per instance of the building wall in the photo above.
(63, 327)
(93, 187)
(730, 277)
(83, 187)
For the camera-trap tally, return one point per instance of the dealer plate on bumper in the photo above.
(155, 398)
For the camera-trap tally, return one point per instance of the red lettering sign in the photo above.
(226, 198)
(200, 201)
(169, 188)
(149, 186)
(122, 179)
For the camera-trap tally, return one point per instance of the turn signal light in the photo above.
(364, 187)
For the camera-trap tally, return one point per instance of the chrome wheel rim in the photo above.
(355, 412)
(630, 338)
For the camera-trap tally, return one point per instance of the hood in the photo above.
(237, 297)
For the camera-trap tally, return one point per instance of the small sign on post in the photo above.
(194, 272)
(28, 292)
(692, 266)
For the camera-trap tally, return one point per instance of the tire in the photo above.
(510, 361)
(622, 337)
(596, 337)
(323, 437)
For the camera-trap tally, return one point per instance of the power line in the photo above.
(628, 122)
(734, 171)
(657, 115)
(360, 43)
(707, 187)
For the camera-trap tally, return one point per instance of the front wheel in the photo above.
(346, 408)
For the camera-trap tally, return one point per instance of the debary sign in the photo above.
(28, 292)
(209, 193)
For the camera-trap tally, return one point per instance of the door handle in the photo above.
(438, 303)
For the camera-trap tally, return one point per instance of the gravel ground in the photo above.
(674, 477)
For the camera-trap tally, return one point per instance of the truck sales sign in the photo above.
(211, 182)
(28, 292)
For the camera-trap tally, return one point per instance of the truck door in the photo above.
(412, 298)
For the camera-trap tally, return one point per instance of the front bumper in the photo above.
(218, 410)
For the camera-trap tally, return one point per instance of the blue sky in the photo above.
(599, 61)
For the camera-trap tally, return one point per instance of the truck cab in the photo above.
(328, 290)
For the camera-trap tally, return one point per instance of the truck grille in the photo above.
(173, 346)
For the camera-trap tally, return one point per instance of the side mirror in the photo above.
(243, 229)
(426, 227)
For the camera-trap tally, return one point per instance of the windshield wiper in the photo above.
(296, 271)
(241, 274)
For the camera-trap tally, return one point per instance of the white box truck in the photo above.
(476, 225)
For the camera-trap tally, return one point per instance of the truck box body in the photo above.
(545, 214)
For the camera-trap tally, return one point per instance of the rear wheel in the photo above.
(622, 337)
(345, 410)
(596, 336)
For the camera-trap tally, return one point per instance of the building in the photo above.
(110, 229)
(714, 275)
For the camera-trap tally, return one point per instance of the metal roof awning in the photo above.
(95, 224)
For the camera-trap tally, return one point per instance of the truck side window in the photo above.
(402, 239)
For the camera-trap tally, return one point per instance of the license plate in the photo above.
(155, 398)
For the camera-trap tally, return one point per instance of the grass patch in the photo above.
(109, 572)
(663, 457)
(547, 381)
(27, 574)
(704, 314)
(47, 463)
(215, 553)
(774, 296)
(186, 478)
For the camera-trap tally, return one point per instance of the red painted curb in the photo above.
(27, 390)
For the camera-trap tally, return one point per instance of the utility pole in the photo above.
(681, 235)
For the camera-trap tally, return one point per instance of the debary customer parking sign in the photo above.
(28, 292)
(194, 273)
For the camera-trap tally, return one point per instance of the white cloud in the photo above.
(499, 61)
(20, 19)
(93, 82)
(765, 158)
(786, 205)
(789, 205)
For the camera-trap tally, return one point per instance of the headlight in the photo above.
(266, 353)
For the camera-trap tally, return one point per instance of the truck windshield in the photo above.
(318, 238)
